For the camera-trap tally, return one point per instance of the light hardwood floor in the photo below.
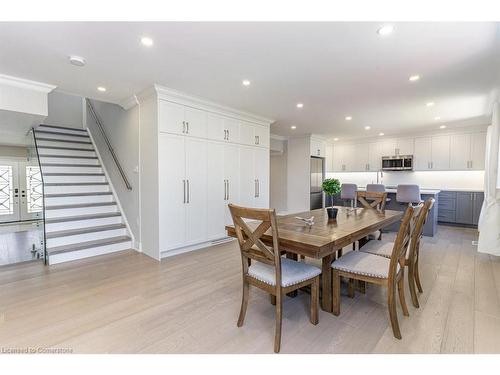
(128, 303)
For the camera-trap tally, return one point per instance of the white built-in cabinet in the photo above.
(318, 148)
(435, 152)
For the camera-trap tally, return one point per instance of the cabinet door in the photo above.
(404, 146)
(215, 127)
(464, 207)
(338, 158)
(478, 150)
(171, 118)
(232, 176)
(196, 122)
(440, 153)
(422, 154)
(329, 158)
(261, 167)
(315, 148)
(196, 190)
(460, 152)
(388, 147)
(262, 134)
(217, 190)
(478, 205)
(374, 156)
(349, 160)
(361, 158)
(248, 183)
(172, 194)
(232, 128)
(247, 134)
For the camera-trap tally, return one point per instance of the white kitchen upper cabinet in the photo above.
(338, 157)
(172, 191)
(261, 168)
(216, 190)
(232, 129)
(318, 148)
(196, 190)
(248, 183)
(262, 136)
(388, 147)
(195, 122)
(404, 146)
(440, 149)
(422, 156)
(247, 133)
(361, 158)
(478, 150)
(460, 151)
(374, 156)
(232, 177)
(215, 127)
(329, 158)
(349, 158)
(171, 117)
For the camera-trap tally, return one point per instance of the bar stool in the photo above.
(348, 193)
(409, 194)
(377, 188)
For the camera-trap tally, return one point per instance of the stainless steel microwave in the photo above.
(397, 163)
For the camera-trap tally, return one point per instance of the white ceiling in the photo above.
(335, 69)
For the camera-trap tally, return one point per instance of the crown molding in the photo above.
(26, 84)
(129, 102)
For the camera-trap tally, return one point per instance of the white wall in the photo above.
(65, 110)
(298, 174)
(122, 129)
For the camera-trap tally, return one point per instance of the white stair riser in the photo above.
(82, 146)
(72, 179)
(76, 224)
(80, 211)
(65, 137)
(60, 130)
(76, 239)
(75, 189)
(96, 169)
(80, 254)
(44, 159)
(55, 151)
(77, 200)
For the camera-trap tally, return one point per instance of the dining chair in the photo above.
(268, 270)
(409, 194)
(377, 188)
(373, 200)
(348, 193)
(357, 265)
(421, 213)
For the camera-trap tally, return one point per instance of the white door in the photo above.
(248, 181)
(440, 152)
(196, 122)
(172, 191)
(9, 191)
(232, 176)
(460, 147)
(422, 155)
(31, 191)
(217, 190)
(478, 149)
(196, 190)
(261, 167)
(171, 118)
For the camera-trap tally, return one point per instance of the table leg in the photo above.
(294, 257)
(326, 283)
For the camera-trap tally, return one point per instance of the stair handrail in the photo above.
(108, 143)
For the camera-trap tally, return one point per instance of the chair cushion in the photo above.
(292, 272)
(365, 264)
(378, 248)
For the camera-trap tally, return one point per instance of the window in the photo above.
(6, 190)
(34, 192)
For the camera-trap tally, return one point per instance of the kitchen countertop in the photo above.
(422, 191)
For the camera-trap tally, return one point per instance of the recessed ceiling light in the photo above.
(293, 127)
(442, 127)
(148, 42)
(429, 104)
(385, 30)
(76, 60)
(101, 89)
(348, 118)
(381, 134)
(246, 82)
(300, 105)
(437, 118)
(335, 139)
(368, 127)
(414, 78)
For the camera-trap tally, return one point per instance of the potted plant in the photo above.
(331, 187)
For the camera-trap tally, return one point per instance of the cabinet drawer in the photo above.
(446, 215)
(447, 195)
(447, 204)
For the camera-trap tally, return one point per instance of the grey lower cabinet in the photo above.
(460, 207)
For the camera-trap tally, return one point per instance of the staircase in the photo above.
(82, 218)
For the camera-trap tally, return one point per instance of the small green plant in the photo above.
(331, 187)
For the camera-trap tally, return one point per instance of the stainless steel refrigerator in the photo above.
(317, 177)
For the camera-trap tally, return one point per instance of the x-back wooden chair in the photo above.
(372, 199)
(268, 270)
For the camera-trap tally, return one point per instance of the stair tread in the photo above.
(87, 245)
(74, 232)
(79, 205)
(70, 165)
(63, 140)
(67, 148)
(81, 217)
(66, 156)
(82, 194)
(74, 183)
(61, 133)
(72, 174)
(61, 127)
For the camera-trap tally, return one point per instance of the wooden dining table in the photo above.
(325, 237)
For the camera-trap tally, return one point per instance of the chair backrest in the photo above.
(401, 243)
(348, 191)
(408, 194)
(250, 234)
(371, 199)
(418, 229)
(377, 188)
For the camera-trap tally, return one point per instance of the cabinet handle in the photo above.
(258, 188)
(187, 127)
(184, 190)
(228, 134)
(255, 188)
(258, 139)
(183, 127)
(227, 189)
(187, 191)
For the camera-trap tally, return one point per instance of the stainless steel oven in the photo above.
(397, 163)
